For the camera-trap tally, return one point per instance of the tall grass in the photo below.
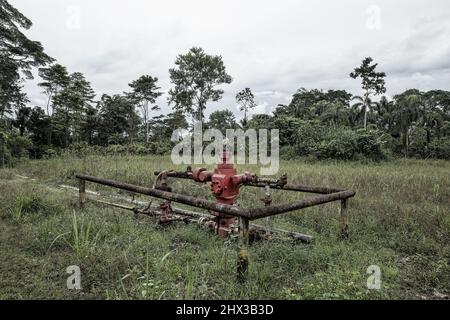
(24, 205)
(83, 238)
(399, 220)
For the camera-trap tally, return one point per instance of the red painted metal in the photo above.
(225, 183)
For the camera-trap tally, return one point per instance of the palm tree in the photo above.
(408, 112)
(335, 114)
(385, 112)
(429, 118)
(364, 104)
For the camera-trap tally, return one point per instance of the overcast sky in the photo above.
(272, 47)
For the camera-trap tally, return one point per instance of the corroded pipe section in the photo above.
(290, 234)
(261, 212)
(82, 192)
(176, 197)
(263, 182)
(192, 216)
(344, 219)
(299, 188)
(249, 213)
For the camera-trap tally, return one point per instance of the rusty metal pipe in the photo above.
(299, 188)
(261, 212)
(82, 192)
(189, 216)
(290, 234)
(243, 254)
(272, 183)
(249, 213)
(176, 197)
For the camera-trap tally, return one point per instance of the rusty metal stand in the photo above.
(82, 192)
(344, 219)
(225, 185)
(243, 255)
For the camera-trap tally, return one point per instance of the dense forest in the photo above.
(316, 123)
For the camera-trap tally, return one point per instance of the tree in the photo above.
(260, 121)
(408, 112)
(25, 53)
(118, 118)
(222, 120)
(355, 116)
(195, 78)
(164, 125)
(246, 99)
(55, 78)
(71, 104)
(435, 113)
(38, 127)
(334, 114)
(308, 104)
(385, 112)
(22, 119)
(372, 82)
(145, 91)
(18, 54)
(10, 88)
(90, 126)
(363, 107)
(301, 104)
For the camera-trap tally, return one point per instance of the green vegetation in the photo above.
(398, 220)
(331, 124)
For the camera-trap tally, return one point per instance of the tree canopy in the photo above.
(246, 100)
(145, 91)
(319, 123)
(195, 79)
(372, 82)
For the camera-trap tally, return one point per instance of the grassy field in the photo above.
(399, 220)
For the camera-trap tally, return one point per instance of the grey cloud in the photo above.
(272, 47)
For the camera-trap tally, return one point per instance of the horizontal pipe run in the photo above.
(176, 197)
(291, 234)
(249, 213)
(299, 188)
(272, 185)
(155, 209)
(191, 215)
(272, 210)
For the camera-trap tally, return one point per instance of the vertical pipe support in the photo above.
(82, 192)
(243, 255)
(267, 202)
(344, 219)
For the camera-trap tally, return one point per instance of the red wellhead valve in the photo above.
(225, 183)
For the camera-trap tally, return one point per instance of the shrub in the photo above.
(418, 143)
(440, 148)
(370, 143)
(18, 145)
(308, 137)
(323, 142)
(50, 153)
(288, 152)
(13, 146)
(37, 151)
(288, 126)
(149, 148)
(338, 144)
